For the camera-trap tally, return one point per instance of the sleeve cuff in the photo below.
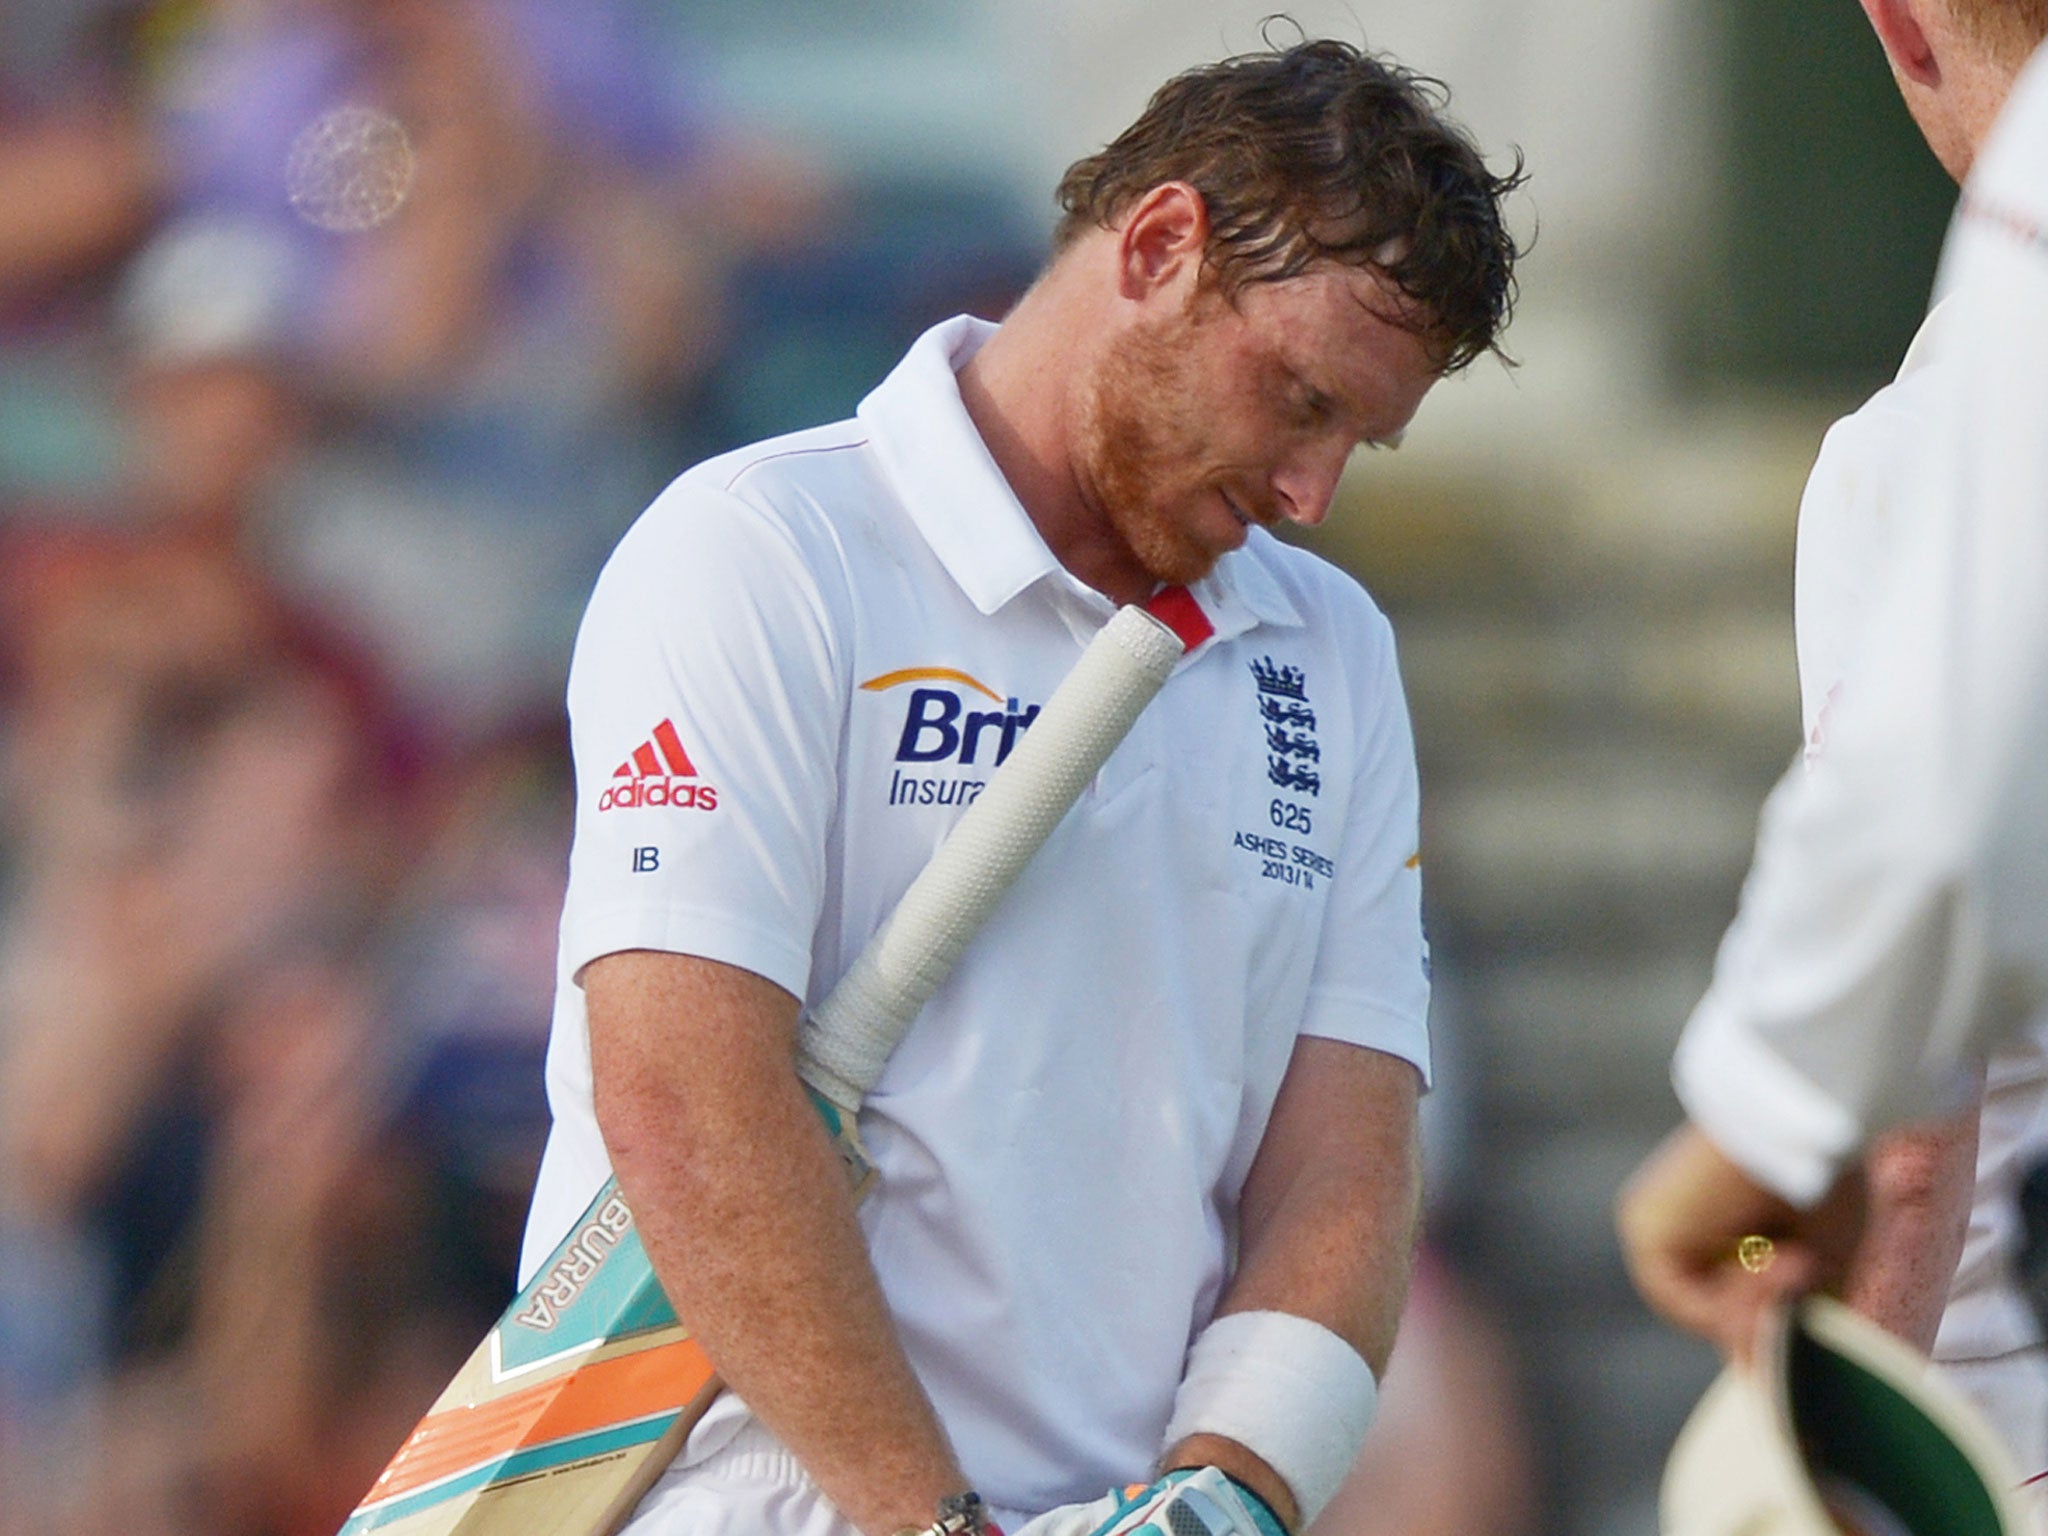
(603, 931)
(1770, 1121)
(1354, 1019)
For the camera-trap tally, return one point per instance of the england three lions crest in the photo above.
(1289, 721)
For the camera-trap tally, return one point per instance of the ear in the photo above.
(1906, 44)
(1163, 239)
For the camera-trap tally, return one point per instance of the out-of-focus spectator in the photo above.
(502, 242)
(268, 1114)
(194, 810)
(75, 169)
(468, 969)
(1449, 1452)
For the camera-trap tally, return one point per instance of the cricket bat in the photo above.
(588, 1384)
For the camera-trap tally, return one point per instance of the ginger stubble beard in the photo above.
(1140, 453)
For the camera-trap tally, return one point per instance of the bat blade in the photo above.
(565, 1414)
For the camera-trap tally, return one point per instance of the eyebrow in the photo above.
(1319, 392)
(1335, 399)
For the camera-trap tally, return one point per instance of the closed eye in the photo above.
(1308, 405)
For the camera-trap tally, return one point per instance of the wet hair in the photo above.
(1315, 152)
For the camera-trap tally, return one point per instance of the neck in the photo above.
(1957, 105)
(1020, 391)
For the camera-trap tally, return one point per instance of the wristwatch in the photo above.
(961, 1514)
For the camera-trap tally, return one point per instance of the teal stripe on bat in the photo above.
(522, 1463)
(597, 1286)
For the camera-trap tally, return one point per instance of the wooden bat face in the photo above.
(584, 1389)
(565, 1413)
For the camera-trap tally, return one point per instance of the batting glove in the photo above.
(1198, 1502)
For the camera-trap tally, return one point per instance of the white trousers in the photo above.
(2013, 1392)
(750, 1486)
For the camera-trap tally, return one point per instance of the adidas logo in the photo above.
(658, 773)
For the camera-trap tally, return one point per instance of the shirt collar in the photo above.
(1243, 592)
(935, 459)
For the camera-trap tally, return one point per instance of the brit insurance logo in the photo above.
(658, 773)
(953, 732)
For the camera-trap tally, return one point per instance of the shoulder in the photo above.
(1864, 456)
(786, 501)
(1886, 428)
(785, 482)
(796, 465)
(752, 543)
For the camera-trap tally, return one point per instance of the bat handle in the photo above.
(847, 1039)
(843, 1126)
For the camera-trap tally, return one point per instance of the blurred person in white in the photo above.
(1894, 928)
(507, 239)
(1937, 1267)
(1944, 1198)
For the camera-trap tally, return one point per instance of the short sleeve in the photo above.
(1371, 981)
(706, 709)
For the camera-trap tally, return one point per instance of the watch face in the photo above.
(963, 1515)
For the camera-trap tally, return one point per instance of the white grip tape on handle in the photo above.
(844, 1043)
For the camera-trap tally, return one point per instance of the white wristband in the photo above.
(1284, 1388)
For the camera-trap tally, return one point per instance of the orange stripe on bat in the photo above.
(585, 1398)
(928, 675)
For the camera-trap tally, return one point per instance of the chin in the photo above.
(1162, 544)
(1183, 569)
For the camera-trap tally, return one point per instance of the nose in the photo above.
(1307, 483)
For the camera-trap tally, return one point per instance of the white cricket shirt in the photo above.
(1848, 528)
(799, 665)
(1896, 918)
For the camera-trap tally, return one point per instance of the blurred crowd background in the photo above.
(340, 338)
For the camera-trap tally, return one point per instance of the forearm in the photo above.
(1337, 1249)
(747, 1216)
(1922, 1183)
(1331, 1209)
(1329, 1218)
(1329, 1263)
